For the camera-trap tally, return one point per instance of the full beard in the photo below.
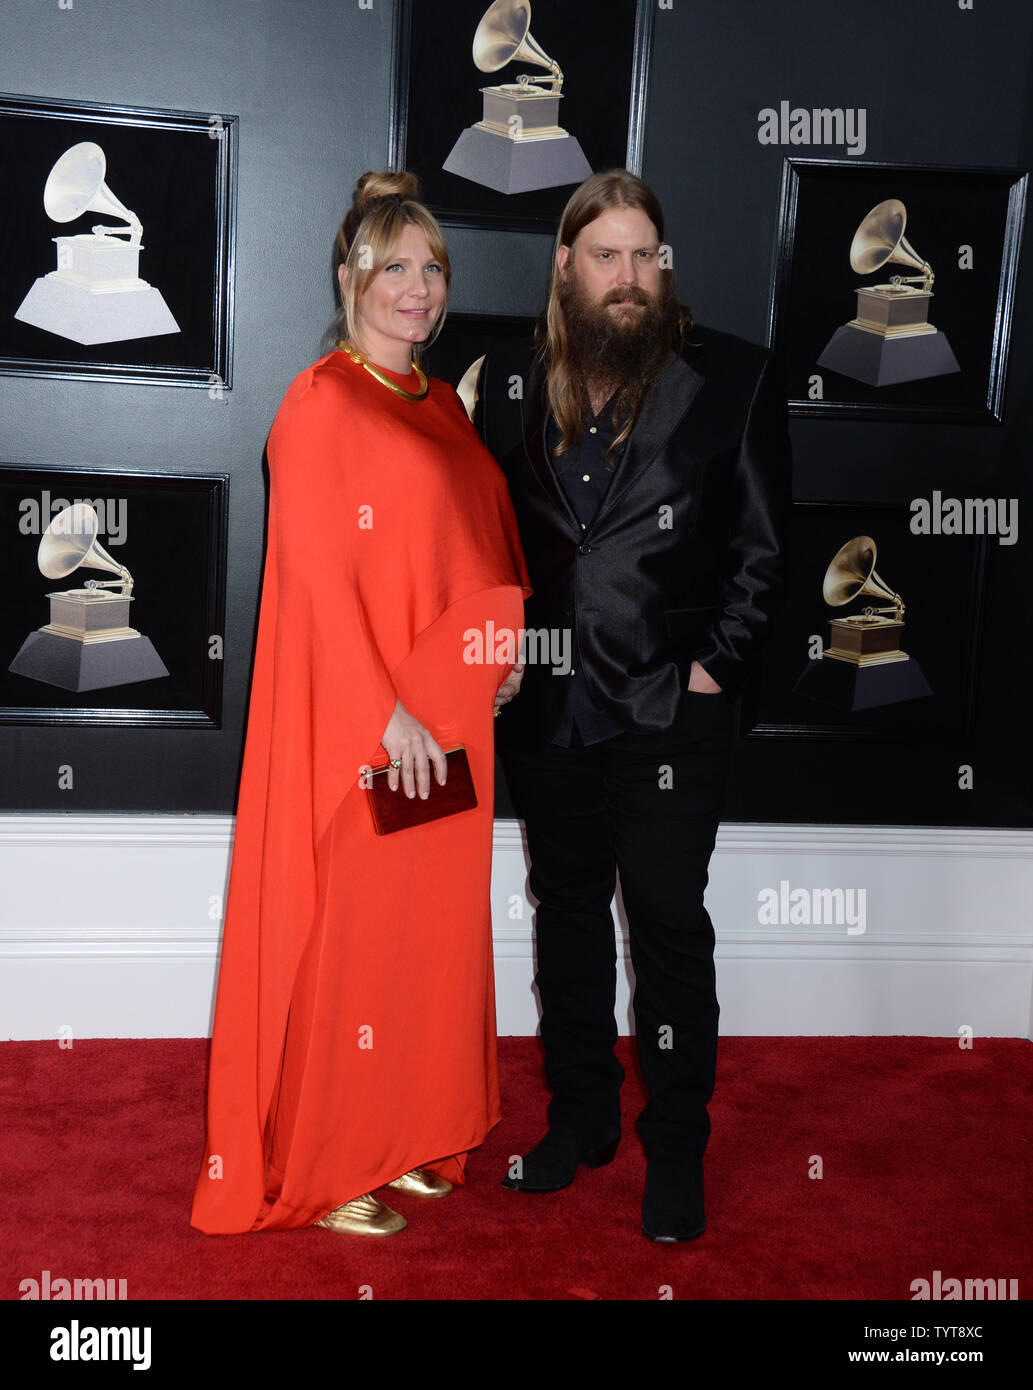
(623, 349)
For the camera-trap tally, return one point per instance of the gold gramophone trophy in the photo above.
(88, 643)
(863, 665)
(891, 340)
(518, 144)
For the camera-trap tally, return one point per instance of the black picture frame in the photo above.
(436, 95)
(176, 170)
(942, 580)
(175, 549)
(465, 337)
(821, 205)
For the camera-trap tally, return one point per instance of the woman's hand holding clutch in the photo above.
(415, 749)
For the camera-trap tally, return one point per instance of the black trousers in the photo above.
(646, 805)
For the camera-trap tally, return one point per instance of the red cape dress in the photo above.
(391, 537)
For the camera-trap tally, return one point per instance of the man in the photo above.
(648, 461)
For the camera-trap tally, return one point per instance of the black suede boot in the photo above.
(552, 1164)
(672, 1208)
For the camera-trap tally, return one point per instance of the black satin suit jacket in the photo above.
(685, 558)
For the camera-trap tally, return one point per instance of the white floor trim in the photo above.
(109, 927)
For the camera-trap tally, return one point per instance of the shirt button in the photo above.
(584, 548)
(592, 429)
(584, 526)
(586, 478)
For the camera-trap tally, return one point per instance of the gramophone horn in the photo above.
(70, 541)
(76, 185)
(880, 238)
(852, 572)
(467, 389)
(503, 35)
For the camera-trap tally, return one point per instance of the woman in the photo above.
(354, 1039)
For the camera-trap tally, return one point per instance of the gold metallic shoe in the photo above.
(421, 1182)
(363, 1216)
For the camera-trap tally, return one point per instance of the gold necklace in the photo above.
(362, 360)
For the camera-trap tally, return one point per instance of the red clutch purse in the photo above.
(392, 811)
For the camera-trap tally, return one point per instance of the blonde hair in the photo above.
(382, 204)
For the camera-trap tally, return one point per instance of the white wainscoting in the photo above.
(109, 927)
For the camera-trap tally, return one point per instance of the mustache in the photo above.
(635, 293)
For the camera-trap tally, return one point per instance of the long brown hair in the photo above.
(566, 393)
(366, 240)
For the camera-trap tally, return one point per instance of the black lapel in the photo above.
(662, 409)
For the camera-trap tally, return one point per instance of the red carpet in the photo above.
(926, 1150)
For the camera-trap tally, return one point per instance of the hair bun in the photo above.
(385, 184)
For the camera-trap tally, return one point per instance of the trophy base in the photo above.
(851, 687)
(869, 659)
(74, 665)
(893, 311)
(107, 316)
(866, 356)
(865, 641)
(514, 166)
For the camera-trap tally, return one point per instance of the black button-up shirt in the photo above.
(584, 474)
